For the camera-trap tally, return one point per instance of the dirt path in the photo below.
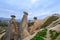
(2, 35)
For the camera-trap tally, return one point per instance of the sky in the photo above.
(35, 8)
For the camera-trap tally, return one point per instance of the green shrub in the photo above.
(40, 35)
(54, 34)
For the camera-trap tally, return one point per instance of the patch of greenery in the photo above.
(49, 21)
(40, 35)
(54, 34)
(3, 23)
(37, 37)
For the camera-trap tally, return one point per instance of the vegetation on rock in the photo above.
(54, 34)
(40, 35)
(49, 21)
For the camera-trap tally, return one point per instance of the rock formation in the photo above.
(21, 33)
(54, 23)
(23, 27)
(11, 33)
(36, 25)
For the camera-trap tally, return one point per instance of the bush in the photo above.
(40, 35)
(54, 34)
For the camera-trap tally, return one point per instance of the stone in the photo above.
(12, 30)
(23, 27)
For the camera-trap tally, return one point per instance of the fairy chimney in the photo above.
(35, 19)
(13, 23)
(14, 27)
(24, 20)
(11, 33)
(23, 27)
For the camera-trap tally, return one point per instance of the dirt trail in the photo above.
(2, 35)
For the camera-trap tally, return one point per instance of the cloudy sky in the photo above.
(38, 8)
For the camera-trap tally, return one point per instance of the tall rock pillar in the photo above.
(33, 27)
(11, 33)
(35, 20)
(23, 27)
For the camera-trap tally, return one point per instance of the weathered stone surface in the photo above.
(12, 30)
(54, 23)
(23, 27)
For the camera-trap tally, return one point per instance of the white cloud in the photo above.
(43, 13)
(7, 10)
(34, 7)
(34, 1)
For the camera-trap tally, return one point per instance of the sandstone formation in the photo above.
(12, 30)
(23, 27)
(36, 24)
(22, 33)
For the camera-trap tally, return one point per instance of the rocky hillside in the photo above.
(52, 33)
(48, 34)
(44, 33)
(49, 21)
